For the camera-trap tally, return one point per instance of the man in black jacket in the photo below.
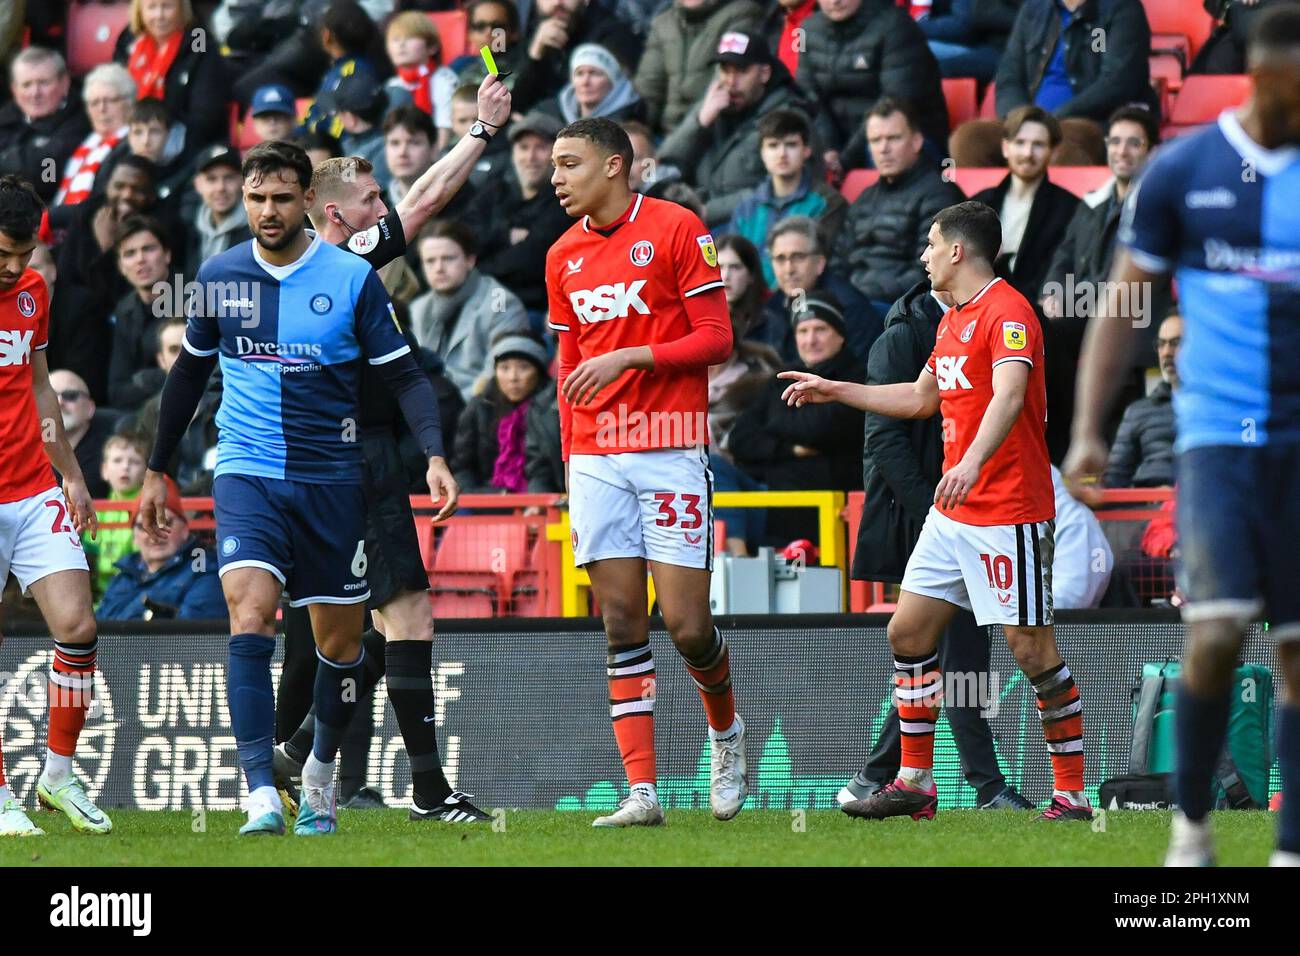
(1035, 212)
(857, 51)
(786, 449)
(902, 462)
(717, 144)
(144, 255)
(885, 229)
(1142, 455)
(1054, 60)
(43, 123)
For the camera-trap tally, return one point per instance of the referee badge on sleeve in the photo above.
(708, 249)
(1013, 335)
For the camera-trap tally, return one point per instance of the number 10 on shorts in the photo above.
(998, 568)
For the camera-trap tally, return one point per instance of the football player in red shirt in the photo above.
(637, 304)
(987, 542)
(41, 524)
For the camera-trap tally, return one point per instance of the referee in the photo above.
(349, 211)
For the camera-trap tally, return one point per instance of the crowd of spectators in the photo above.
(751, 112)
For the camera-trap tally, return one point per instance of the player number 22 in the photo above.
(998, 567)
(668, 515)
(60, 524)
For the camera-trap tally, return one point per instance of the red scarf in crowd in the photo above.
(149, 63)
(788, 53)
(416, 81)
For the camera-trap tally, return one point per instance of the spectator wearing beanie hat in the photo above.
(490, 451)
(597, 87)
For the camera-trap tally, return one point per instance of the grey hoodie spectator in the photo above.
(717, 144)
(219, 221)
(464, 310)
(597, 87)
(677, 65)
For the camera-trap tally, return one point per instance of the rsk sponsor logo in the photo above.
(15, 346)
(607, 302)
(948, 371)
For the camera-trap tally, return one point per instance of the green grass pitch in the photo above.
(690, 838)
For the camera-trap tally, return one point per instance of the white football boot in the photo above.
(729, 786)
(1190, 843)
(638, 809)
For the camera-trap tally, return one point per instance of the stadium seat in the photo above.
(988, 105)
(855, 181)
(1079, 179)
(453, 27)
(972, 179)
(1170, 19)
(93, 29)
(480, 557)
(960, 94)
(243, 134)
(1167, 68)
(1203, 98)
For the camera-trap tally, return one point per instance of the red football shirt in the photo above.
(24, 328)
(996, 326)
(649, 278)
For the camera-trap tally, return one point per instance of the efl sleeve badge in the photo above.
(708, 249)
(1013, 335)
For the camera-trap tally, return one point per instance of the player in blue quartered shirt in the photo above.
(1219, 209)
(291, 319)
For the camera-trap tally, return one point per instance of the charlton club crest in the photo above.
(26, 304)
(641, 253)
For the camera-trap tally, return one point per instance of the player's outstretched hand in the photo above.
(585, 382)
(956, 484)
(81, 507)
(808, 389)
(153, 506)
(442, 485)
(493, 101)
(1083, 467)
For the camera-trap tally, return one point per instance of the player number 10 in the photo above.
(668, 514)
(998, 567)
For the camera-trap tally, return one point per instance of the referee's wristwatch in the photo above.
(480, 131)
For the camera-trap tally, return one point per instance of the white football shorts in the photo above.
(37, 538)
(654, 504)
(1002, 573)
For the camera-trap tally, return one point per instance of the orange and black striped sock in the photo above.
(712, 675)
(631, 672)
(918, 692)
(71, 689)
(1061, 712)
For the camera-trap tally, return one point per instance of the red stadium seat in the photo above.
(988, 105)
(1079, 179)
(1203, 98)
(93, 29)
(972, 179)
(1173, 18)
(1167, 68)
(855, 181)
(245, 136)
(480, 557)
(453, 27)
(960, 94)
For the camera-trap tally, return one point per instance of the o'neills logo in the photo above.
(637, 429)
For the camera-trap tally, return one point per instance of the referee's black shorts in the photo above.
(392, 549)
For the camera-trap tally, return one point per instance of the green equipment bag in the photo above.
(1244, 770)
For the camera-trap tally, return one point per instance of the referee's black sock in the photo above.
(410, 689)
(298, 746)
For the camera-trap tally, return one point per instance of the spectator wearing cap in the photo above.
(887, 226)
(42, 122)
(359, 104)
(519, 217)
(490, 453)
(790, 189)
(597, 87)
(1053, 60)
(108, 91)
(415, 50)
(677, 67)
(219, 221)
(968, 37)
(464, 310)
(717, 143)
(144, 255)
(174, 578)
(1035, 212)
(273, 112)
(782, 29)
(345, 32)
(785, 450)
(558, 29)
(171, 59)
(797, 251)
(857, 51)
